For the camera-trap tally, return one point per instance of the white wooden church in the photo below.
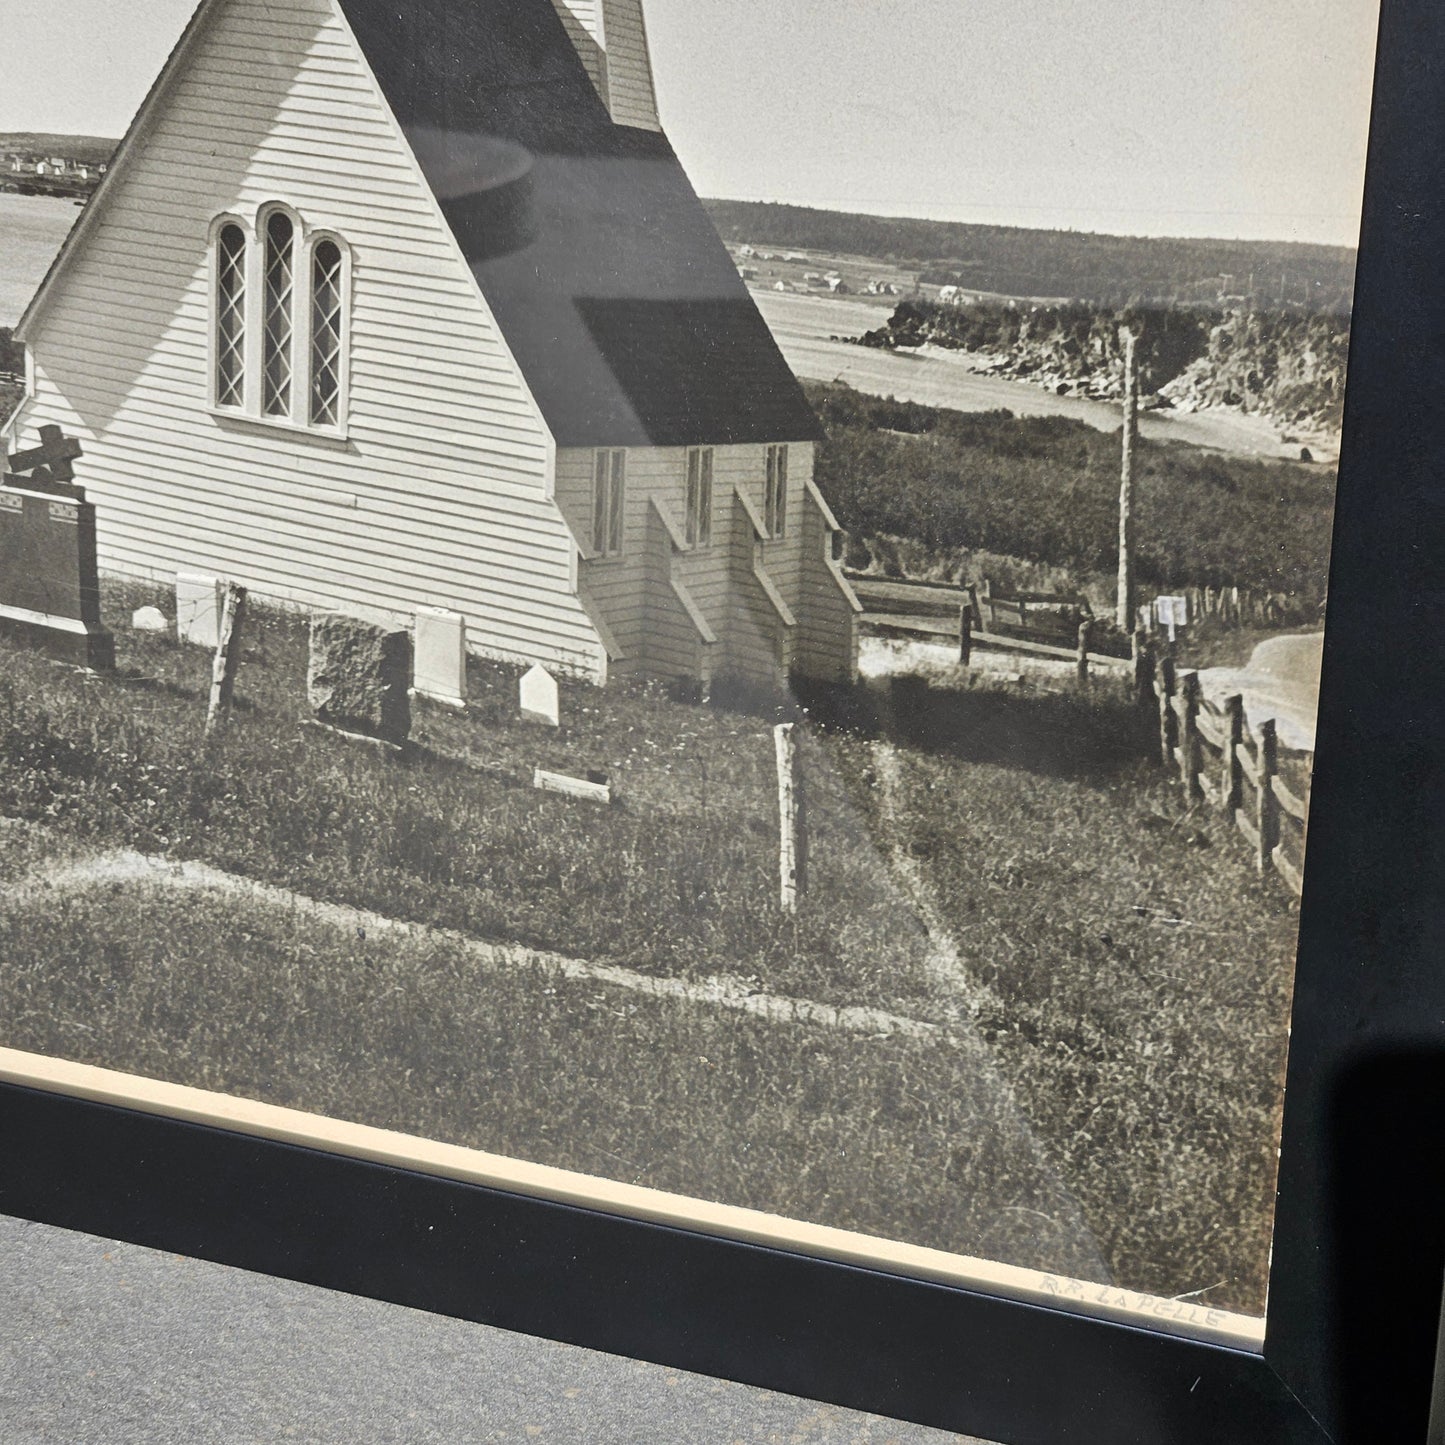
(384, 307)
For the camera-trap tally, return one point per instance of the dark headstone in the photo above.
(359, 676)
(49, 587)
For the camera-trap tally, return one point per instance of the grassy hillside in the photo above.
(1018, 261)
(1088, 1088)
(1045, 490)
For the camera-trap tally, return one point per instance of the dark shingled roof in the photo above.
(613, 290)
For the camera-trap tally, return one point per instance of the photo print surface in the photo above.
(725, 602)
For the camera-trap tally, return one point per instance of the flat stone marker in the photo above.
(49, 586)
(359, 677)
(149, 619)
(539, 697)
(441, 656)
(198, 609)
(595, 791)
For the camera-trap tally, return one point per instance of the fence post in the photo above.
(965, 634)
(1231, 785)
(1164, 691)
(1267, 814)
(1081, 666)
(1143, 660)
(1189, 750)
(986, 597)
(228, 655)
(792, 820)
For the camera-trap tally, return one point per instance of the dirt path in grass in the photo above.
(942, 960)
(1060, 1219)
(125, 867)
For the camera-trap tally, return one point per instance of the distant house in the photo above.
(838, 286)
(407, 337)
(948, 293)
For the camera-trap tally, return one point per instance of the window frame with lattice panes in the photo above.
(280, 322)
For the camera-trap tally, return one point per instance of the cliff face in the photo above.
(1289, 368)
(1285, 366)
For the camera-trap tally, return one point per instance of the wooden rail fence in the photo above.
(1223, 762)
(1040, 624)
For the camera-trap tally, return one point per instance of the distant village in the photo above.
(32, 173)
(787, 271)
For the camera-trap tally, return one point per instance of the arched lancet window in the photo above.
(327, 338)
(280, 321)
(278, 324)
(231, 316)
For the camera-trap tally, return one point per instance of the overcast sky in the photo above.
(1187, 117)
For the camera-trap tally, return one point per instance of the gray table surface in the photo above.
(109, 1344)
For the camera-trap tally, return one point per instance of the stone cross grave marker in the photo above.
(539, 700)
(441, 656)
(198, 609)
(49, 586)
(359, 677)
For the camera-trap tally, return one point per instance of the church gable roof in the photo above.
(616, 296)
(613, 290)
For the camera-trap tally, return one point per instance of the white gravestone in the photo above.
(198, 609)
(441, 656)
(1173, 613)
(539, 696)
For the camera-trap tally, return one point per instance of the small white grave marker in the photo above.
(539, 699)
(1172, 612)
(441, 656)
(198, 609)
(149, 619)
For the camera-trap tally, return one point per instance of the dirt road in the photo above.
(1282, 681)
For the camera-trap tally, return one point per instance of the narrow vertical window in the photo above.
(276, 337)
(608, 487)
(231, 317)
(699, 496)
(775, 497)
(326, 338)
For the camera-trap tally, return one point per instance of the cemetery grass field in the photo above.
(1103, 982)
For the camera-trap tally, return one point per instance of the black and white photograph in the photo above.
(712, 610)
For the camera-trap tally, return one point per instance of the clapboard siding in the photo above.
(439, 496)
(629, 66)
(827, 641)
(581, 22)
(611, 38)
(752, 639)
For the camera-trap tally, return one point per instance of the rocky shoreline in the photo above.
(1285, 369)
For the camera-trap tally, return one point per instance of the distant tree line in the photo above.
(1019, 261)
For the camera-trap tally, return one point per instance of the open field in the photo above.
(995, 866)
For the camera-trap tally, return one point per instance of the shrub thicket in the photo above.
(1045, 490)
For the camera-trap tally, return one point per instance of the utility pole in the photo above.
(1125, 612)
